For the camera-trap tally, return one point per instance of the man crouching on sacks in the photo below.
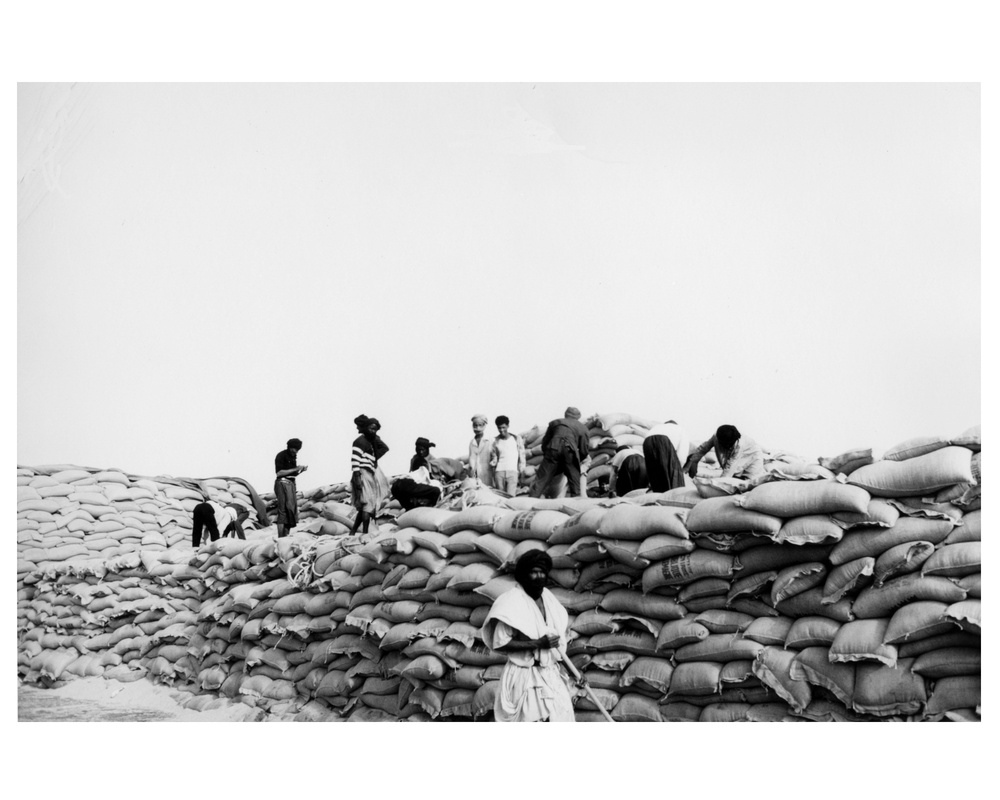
(529, 625)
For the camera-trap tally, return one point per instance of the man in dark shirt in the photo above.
(419, 459)
(285, 470)
(565, 444)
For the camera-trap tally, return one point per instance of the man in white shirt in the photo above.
(479, 451)
(738, 456)
(507, 457)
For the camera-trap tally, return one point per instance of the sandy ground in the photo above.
(101, 700)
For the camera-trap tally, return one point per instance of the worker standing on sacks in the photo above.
(480, 449)
(507, 457)
(285, 469)
(738, 456)
(565, 444)
(529, 625)
(369, 486)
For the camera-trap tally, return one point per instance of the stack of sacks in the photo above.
(91, 546)
(843, 590)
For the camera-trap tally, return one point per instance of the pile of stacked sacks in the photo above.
(846, 589)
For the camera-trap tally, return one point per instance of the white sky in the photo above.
(207, 270)
(799, 258)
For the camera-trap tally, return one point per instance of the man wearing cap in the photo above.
(529, 626)
(218, 519)
(423, 447)
(565, 444)
(507, 457)
(479, 451)
(285, 469)
(738, 456)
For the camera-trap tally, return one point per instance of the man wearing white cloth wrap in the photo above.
(529, 625)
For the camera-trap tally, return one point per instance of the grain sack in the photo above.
(812, 631)
(957, 692)
(631, 641)
(578, 526)
(901, 560)
(651, 606)
(764, 558)
(636, 708)
(814, 666)
(862, 542)
(810, 603)
(796, 579)
(847, 462)
(948, 662)
(495, 547)
(724, 620)
(695, 679)
(882, 601)
(955, 560)
(630, 522)
(972, 585)
(703, 587)
(661, 546)
(862, 640)
(472, 576)
(968, 614)
(424, 518)
(918, 446)
(879, 512)
(810, 529)
(433, 541)
(725, 515)
(802, 498)
(885, 691)
(773, 666)
(626, 552)
(685, 568)
(769, 630)
(680, 712)
(918, 476)
(718, 647)
(463, 541)
(518, 525)
(750, 585)
(679, 632)
(478, 518)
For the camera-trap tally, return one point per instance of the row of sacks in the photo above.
(450, 564)
(67, 513)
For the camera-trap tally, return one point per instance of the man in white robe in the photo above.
(529, 625)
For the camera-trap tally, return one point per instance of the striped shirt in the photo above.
(365, 454)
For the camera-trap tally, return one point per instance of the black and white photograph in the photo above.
(481, 395)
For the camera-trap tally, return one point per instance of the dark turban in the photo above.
(294, 444)
(526, 563)
(361, 421)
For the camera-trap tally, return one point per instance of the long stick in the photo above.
(586, 687)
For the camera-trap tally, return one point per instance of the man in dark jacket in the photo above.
(565, 444)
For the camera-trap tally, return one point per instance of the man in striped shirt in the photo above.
(369, 486)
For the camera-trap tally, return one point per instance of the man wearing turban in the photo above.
(529, 625)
